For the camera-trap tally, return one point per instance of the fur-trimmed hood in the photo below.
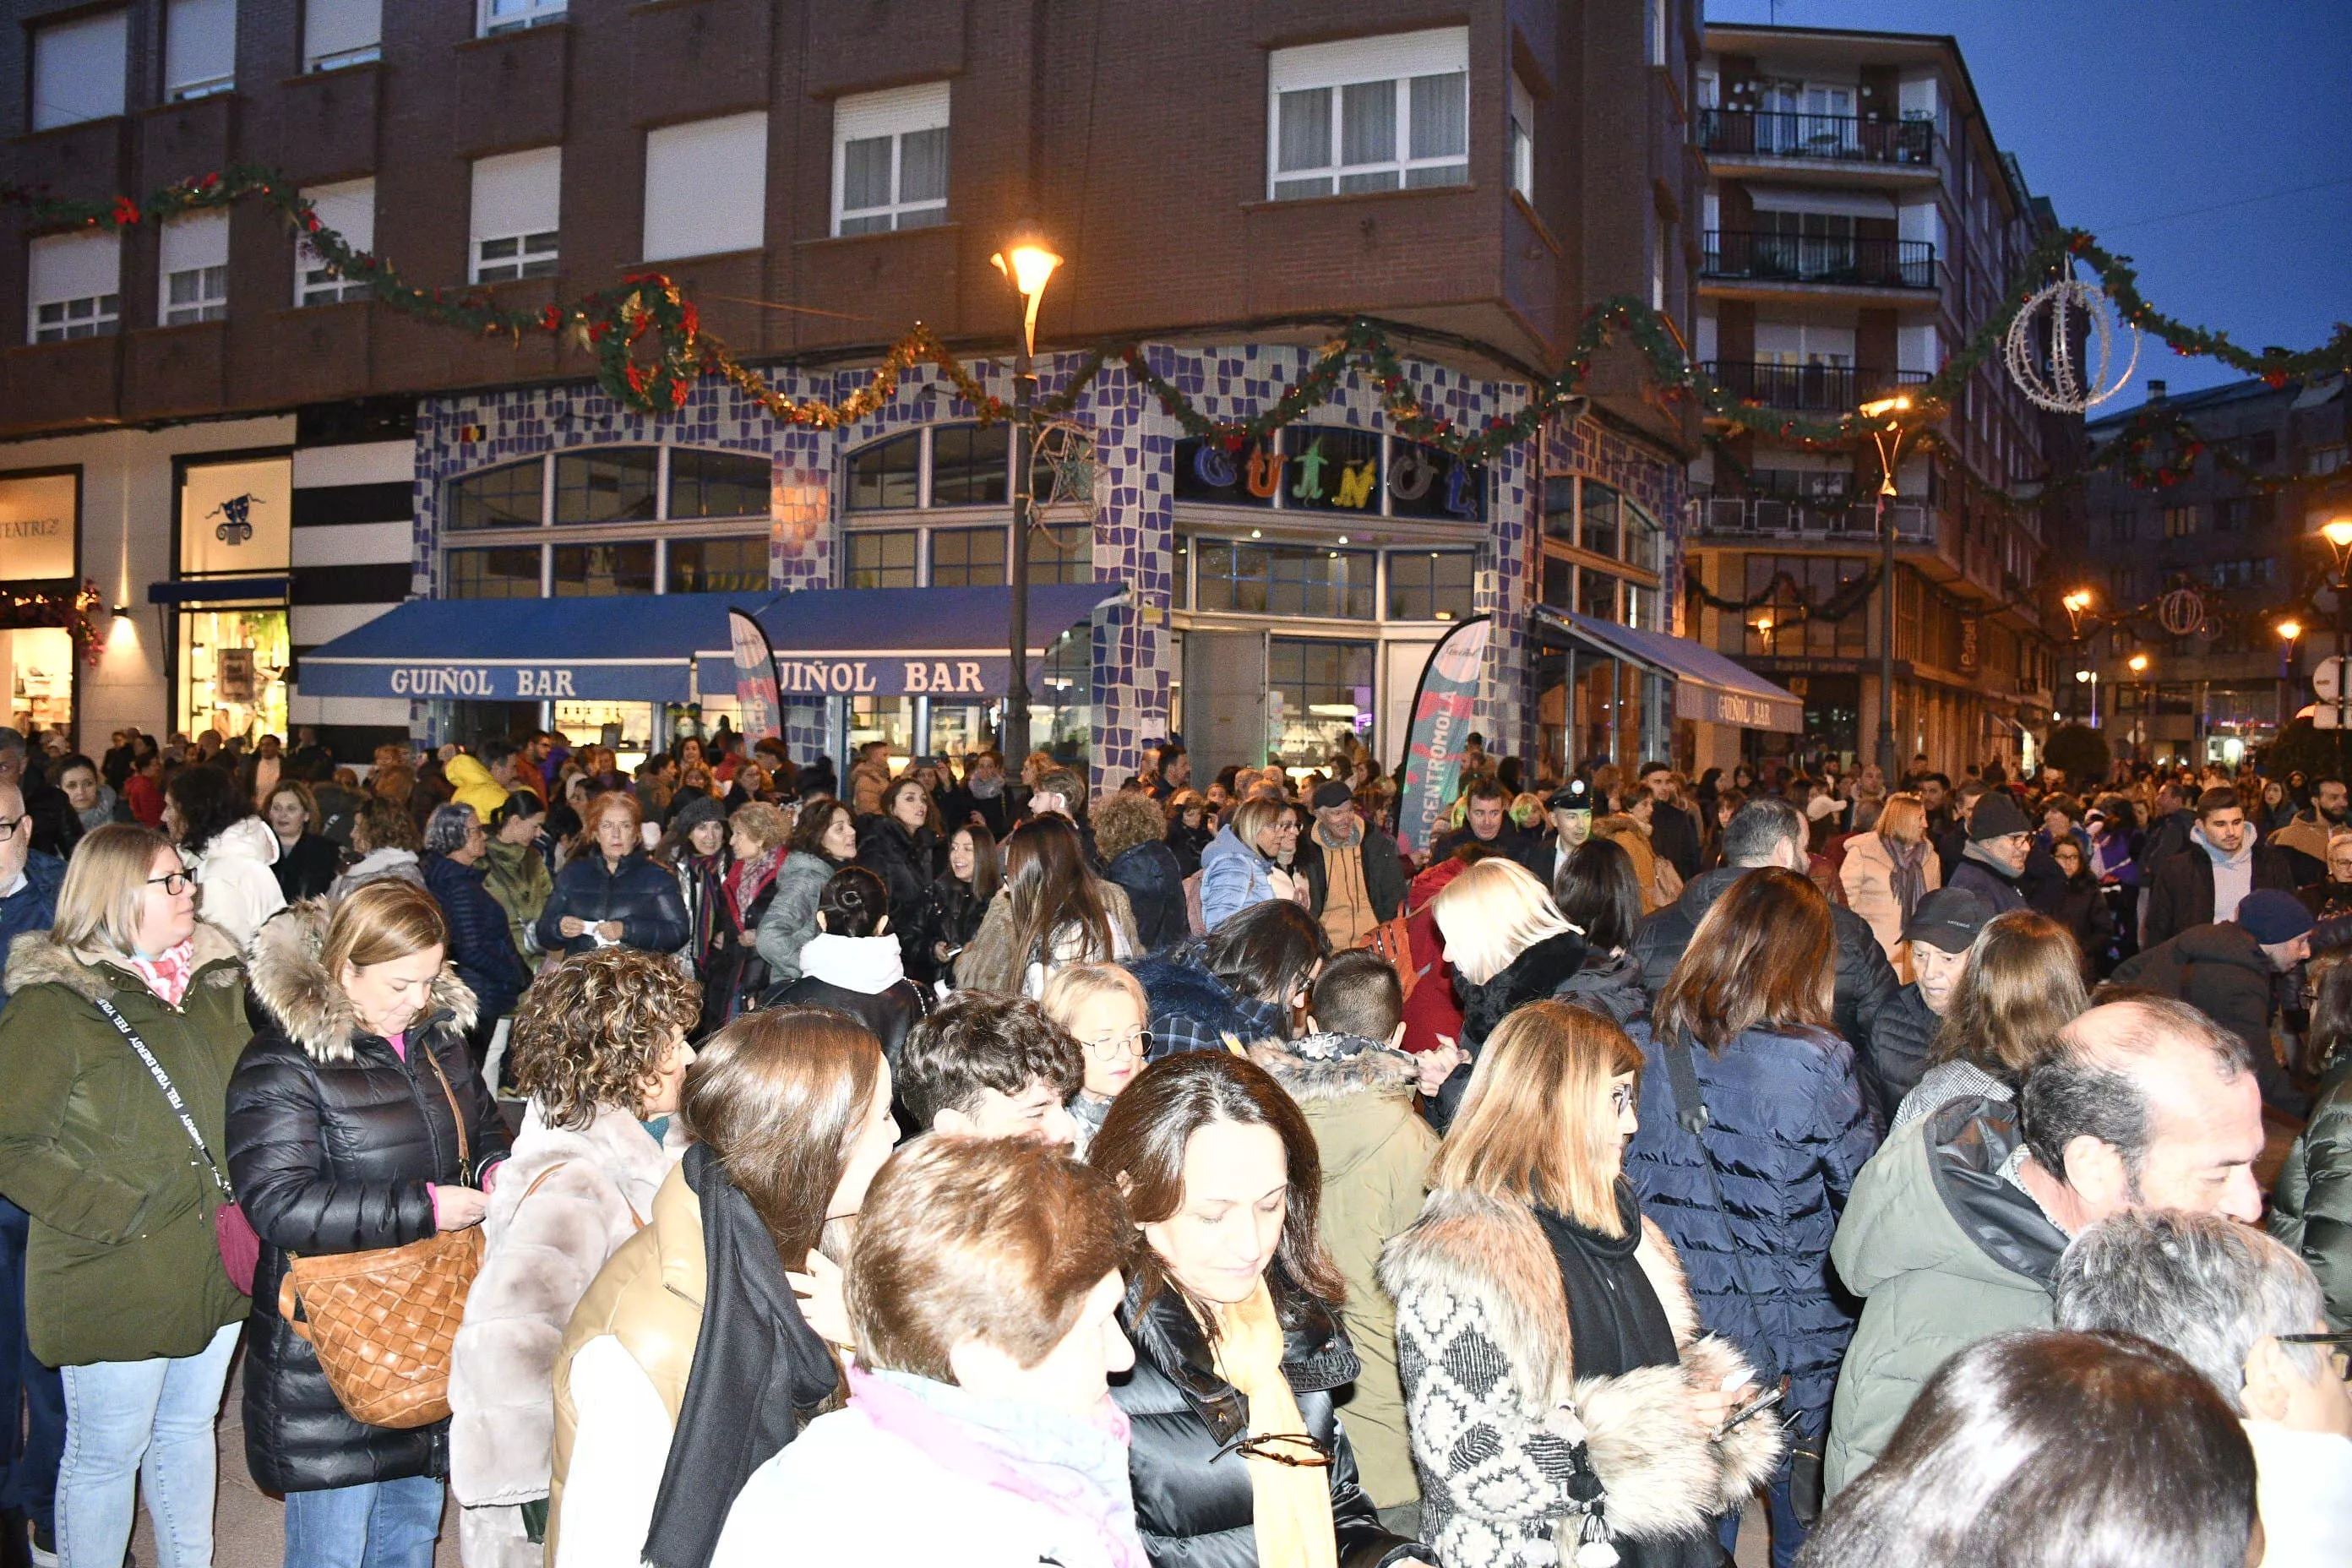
(291, 983)
(36, 958)
(1538, 973)
(1332, 1067)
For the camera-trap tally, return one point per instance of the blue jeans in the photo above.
(377, 1524)
(130, 1424)
(1788, 1535)
(32, 1396)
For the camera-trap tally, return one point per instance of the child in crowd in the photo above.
(1103, 1007)
(986, 1066)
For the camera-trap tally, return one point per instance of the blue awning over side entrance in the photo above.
(1708, 687)
(901, 642)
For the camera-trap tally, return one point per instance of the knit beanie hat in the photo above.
(2272, 917)
(1996, 817)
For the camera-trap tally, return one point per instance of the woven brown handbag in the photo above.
(383, 1322)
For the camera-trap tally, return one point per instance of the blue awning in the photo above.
(216, 590)
(1708, 686)
(671, 647)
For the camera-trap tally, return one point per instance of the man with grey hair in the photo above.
(2246, 1312)
(482, 941)
(1954, 1228)
(1769, 832)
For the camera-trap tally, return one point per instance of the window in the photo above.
(968, 557)
(1315, 692)
(350, 210)
(1429, 586)
(516, 199)
(718, 565)
(2181, 521)
(339, 33)
(1370, 114)
(1063, 552)
(199, 49)
(716, 484)
(1269, 579)
(509, 572)
(2122, 526)
(2241, 513)
(1599, 529)
(971, 466)
(1523, 139)
(1596, 594)
(73, 286)
(888, 475)
(511, 496)
(891, 160)
(2324, 459)
(79, 70)
(615, 485)
(1643, 539)
(597, 569)
(881, 560)
(2260, 449)
(196, 269)
(506, 15)
(706, 186)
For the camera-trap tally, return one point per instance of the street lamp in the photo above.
(1888, 437)
(1028, 264)
(2137, 665)
(2288, 631)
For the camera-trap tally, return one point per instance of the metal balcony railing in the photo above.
(1771, 518)
(1835, 137)
(1831, 259)
(1807, 388)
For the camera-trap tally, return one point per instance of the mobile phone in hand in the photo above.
(1741, 1413)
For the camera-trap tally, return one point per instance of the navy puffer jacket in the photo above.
(481, 946)
(639, 894)
(1788, 1129)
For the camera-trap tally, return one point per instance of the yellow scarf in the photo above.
(1290, 1504)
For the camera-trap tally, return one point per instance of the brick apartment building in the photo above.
(2251, 551)
(1860, 223)
(819, 176)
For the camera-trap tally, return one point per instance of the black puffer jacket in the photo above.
(641, 894)
(1866, 981)
(951, 914)
(481, 946)
(335, 1142)
(1192, 1500)
(1543, 970)
(1155, 891)
(1899, 1044)
(905, 862)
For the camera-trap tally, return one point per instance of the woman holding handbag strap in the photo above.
(355, 1122)
(125, 1286)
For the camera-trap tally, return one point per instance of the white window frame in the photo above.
(313, 284)
(505, 244)
(200, 237)
(82, 35)
(896, 114)
(517, 16)
(100, 314)
(182, 91)
(1523, 139)
(1397, 58)
(345, 51)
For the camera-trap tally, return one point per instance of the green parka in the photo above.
(1375, 1150)
(122, 1263)
(1945, 1251)
(2312, 1209)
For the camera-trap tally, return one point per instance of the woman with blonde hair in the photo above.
(1243, 864)
(600, 1051)
(1888, 870)
(1593, 1413)
(1752, 1199)
(1105, 1010)
(1509, 945)
(2023, 984)
(124, 1287)
(355, 1122)
(759, 836)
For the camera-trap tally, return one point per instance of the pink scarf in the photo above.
(169, 974)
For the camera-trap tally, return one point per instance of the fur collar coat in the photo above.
(1515, 1450)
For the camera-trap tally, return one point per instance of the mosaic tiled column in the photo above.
(800, 555)
(1135, 448)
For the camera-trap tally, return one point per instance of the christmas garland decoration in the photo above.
(69, 609)
(1852, 595)
(650, 348)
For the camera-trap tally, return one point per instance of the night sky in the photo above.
(2152, 123)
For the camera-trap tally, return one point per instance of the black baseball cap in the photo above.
(1947, 920)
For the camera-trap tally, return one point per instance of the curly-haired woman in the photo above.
(600, 1048)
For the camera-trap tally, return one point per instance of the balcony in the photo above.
(1842, 261)
(1807, 388)
(1829, 520)
(1821, 138)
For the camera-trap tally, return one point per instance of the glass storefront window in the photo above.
(1429, 586)
(1596, 594)
(1063, 552)
(1316, 692)
(972, 467)
(889, 720)
(716, 484)
(1264, 579)
(631, 727)
(882, 559)
(1642, 608)
(1062, 706)
(967, 557)
(510, 572)
(962, 729)
(598, 569)
(886, 475)
(611, 486)
(498, 498)
(37, 677)
(232, 668)
(1642, 538)
(1597, 530)
(718, 565)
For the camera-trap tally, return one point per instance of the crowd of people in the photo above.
(719, 1161)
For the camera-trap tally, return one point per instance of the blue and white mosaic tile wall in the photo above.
(1134, 532)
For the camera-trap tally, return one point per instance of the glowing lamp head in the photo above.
(2078, 600)
(2290, 629)
(1879, 408)
(1028, 262)
(2139, 663)
(2338, 532)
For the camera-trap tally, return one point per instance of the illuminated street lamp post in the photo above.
(2338, 532)
(2288, 631)
(2076, 605)
(1888, 435)
(1028, 264)
(2138, 664)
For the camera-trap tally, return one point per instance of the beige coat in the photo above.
(1653, 874)
(989, 963)
(1868, 878)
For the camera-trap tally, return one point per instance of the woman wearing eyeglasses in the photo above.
(1559, 1387)
(1103, 1007)
(125, 1286)
(1236, 1454)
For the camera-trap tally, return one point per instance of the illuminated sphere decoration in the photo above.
(2074, 322)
